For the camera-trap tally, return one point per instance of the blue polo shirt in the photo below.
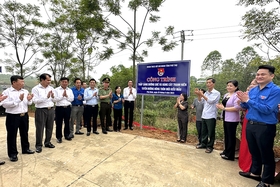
(76, 93)
(117, 105)
(263, 104)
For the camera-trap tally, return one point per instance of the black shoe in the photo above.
(88, 133)
(59, 140)
(200, 147)
(226, 158)
(104, 132)
(2, 162)
(68, 138)
(95, 132)
(28, 151)
(38, 149)
(248, 175)
(131, 128)
(71, 136)
(222, 153)
(125, 128)
(49, 145)
(109, 130)
(79, 133)
(14, 158)
(182, 141)
(261, 184)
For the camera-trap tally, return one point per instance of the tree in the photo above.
(212, 62)
(262, 25)
(21, 29)
(73, 42)
(130, 36)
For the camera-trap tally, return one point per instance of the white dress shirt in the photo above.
(40, 98)
(60, 100)
(13, 104)
(127, 96)
(89, 98)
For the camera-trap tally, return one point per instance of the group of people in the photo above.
(62, 105)
(261, 105)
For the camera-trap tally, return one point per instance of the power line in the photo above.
(217, 28)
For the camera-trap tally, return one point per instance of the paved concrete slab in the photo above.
(117, 160)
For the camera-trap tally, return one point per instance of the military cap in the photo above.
(106, 79)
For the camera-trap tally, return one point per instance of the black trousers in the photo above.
(183, 127)
(105, 111)
(230, 139)
(260, 138)
(13, 123)
(208, 131)
(128, 108)
(62, 114)
(91, 113)
(199, 130)
(117, 119)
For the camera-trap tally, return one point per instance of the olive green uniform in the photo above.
(105, 108)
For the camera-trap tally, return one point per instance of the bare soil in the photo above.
(151, 132)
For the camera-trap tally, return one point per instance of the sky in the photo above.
(215, 25)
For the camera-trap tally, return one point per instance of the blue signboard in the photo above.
(163, 78)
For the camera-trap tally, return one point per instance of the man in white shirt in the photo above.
(91, 106)
(129, 94)
(2, 98)
(63, 96)
(16, 106)
(44, 114)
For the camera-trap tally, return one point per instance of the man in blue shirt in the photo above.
(262, 104)
(91, 106)
(77, 109)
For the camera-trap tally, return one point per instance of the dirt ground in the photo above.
(151, 132)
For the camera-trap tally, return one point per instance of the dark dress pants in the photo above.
(208, 131)
(62, 114)
(183, 127)
(117, 119)
(13, 123)
(199, 130)
(230, 138)
(260, 138)
(128, 108)
(105, 111)
(91, 112)
(44, 119)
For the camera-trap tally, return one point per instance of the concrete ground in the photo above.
(117, 159)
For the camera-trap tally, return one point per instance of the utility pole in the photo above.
(183, 39)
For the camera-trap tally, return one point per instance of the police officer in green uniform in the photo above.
(105, 95)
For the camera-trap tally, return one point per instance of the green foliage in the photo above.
(21, 29)
(262, 24)
(212, 62)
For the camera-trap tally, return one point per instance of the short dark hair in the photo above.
(212, 79)
(14, 78)
(185, 96)
(202, 90)
(92, 80)
(44, 76)
(77, 79)
(271, 69)
(63, 79)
